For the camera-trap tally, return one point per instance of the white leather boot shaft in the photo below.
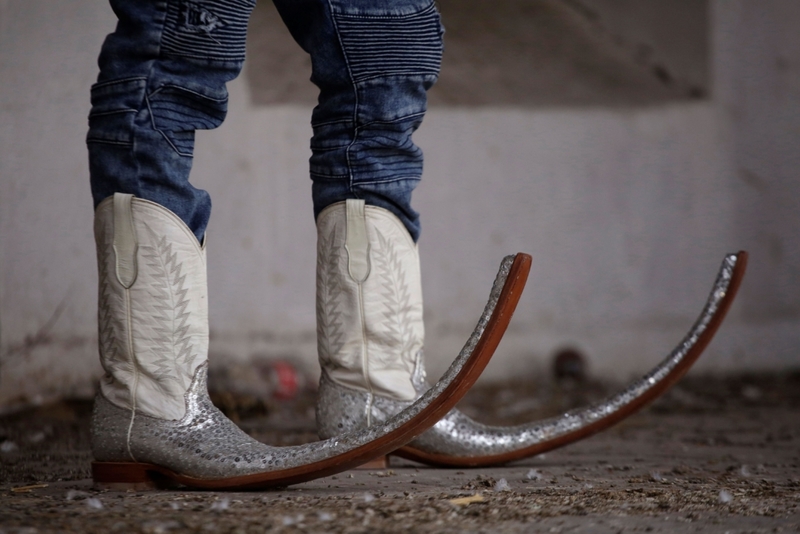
(369, 300)
(152, 308)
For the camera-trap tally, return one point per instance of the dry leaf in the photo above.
(463, 501)
(28, 489)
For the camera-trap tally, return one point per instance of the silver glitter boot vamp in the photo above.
(205, 444)
(340, 409)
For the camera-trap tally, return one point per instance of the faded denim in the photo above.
(163, 74)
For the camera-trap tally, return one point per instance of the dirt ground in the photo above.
(714, 455)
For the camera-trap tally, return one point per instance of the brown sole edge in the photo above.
(130, 476)
(382, 462)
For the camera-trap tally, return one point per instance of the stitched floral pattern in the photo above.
(398, 313)
(113, 357)
(330, 322)
(172, 346)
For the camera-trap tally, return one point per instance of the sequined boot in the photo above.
(370, 337)
(153, 420)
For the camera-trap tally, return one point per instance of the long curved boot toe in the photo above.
(459, 441)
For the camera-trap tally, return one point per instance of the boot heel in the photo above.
(124, 476)
(381, 462)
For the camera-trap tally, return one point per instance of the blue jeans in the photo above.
(163, 73)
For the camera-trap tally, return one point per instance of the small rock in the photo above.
(502, 485)
(744, 471)
(8, 446)
(751, 393)
(76, 495)
(289, 521)
(725, 497)
(220, 506)
(160, 527)
(570, 364)
(534, 474)
(94, 503)
(36, 437)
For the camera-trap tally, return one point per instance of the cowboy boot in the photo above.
(153, 420)
(370, 339)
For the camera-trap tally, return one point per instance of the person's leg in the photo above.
(162, 76)
(373, 63)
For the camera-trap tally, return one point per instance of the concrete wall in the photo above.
(47, 269)
(627, 211)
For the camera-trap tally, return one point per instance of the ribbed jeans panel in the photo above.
(362, 146)
(391, 45)
(207, 30)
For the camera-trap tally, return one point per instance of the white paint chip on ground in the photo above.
(534, 474)
(94, 503)
(502, 485)
(222, 505)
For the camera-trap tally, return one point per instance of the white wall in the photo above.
(47, 266)
(627, 212)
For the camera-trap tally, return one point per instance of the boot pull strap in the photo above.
(356, 242)
(125, 244)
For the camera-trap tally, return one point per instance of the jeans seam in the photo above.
(163, 28)
(193, 56)
(328, 123)
(333, 176)
(114, 112)
(185, 89)
(355, 96)
(424, 11)
(98, 140)
(396, 74)
(398, 119)
(165, 136)
(109, 83)
(391, 121)
(413, 177)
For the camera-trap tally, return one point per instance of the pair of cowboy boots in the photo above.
(154, 423)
